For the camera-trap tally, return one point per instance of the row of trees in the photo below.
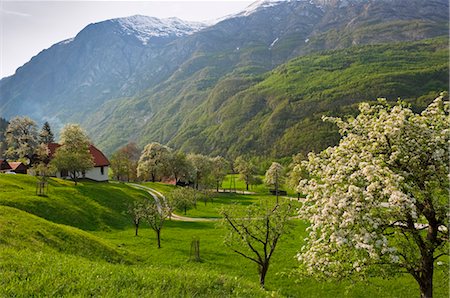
(25, 143)
(158, 162)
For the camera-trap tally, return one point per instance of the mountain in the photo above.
(105, 60)
(144, 79)
(279, 114)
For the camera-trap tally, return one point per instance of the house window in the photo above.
(102, 170)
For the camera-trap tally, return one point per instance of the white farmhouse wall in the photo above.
(93, 174)
(96, 174)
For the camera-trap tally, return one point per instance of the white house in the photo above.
(101, 164)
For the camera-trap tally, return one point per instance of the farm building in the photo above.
(18, 167)
(101, 164)
(4, 166)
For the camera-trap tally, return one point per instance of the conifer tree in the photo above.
(46, 135)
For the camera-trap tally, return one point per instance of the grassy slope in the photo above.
(35, 259)
(25, 273)
(19, 229)
(40, 257)
(89, 206)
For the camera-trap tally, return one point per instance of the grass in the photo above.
(41, 257)
(258, 188)
(22, 275)
(224, 200)
(88, 206)
(19, 229)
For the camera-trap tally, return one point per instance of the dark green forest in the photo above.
(279, 113)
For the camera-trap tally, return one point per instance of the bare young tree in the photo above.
(156, 215)
(137, 213)
(255, 234)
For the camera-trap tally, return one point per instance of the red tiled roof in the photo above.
(15, 164)
(100, 159)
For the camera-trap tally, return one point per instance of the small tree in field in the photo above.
(182, 199)
(275, 177)
(254, 235)
(220, 168)
(43, 169)
(137, 213)
(156, 216)
(246, 169)
(73, 156)
(380, 199)
(205, 196)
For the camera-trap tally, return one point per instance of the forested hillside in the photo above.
(279, 113)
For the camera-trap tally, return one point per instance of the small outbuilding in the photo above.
(4, 166)
(18, 167)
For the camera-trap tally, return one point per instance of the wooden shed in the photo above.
(18, 167)
(4, 166)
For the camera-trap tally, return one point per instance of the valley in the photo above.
(80, 250)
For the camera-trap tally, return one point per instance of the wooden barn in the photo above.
(4, 166)
(18, 167)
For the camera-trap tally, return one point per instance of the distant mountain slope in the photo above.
(142, 79)
(281, 114)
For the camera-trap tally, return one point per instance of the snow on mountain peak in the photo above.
(262, 4)
(145, 27)
(258, 5)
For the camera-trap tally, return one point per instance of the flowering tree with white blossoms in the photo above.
(381, 197)
(274, 176)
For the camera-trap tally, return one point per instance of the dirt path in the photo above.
(158, 197)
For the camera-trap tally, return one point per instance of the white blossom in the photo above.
(388, 162)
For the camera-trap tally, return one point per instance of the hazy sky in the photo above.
(28, 27)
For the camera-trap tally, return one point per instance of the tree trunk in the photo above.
(276, 185)
(74, 177)
(425, 277)
(246, 184)
(217, 186)
(262, 274)
(153, 178)
(136, 228)
(425, 274)
(158, 235)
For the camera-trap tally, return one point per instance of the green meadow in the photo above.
(79, 241)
